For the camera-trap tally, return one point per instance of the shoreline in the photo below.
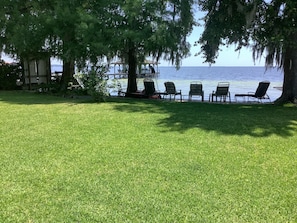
(236, 87)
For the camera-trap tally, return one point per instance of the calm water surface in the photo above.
(242, 79)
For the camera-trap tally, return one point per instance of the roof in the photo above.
(144, 62)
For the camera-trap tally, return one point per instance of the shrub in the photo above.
(94, 82)
(10, 74)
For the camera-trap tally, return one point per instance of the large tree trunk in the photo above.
(290, 77)
(132, 61)
(68, 71)
(68, 61)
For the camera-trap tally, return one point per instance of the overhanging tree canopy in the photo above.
(81, 30)
(269, 27)
(57, 27)
(155, 28)
(23, 31)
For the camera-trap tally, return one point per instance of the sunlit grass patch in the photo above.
(71, 160)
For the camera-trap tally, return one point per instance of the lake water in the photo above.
(242, 79)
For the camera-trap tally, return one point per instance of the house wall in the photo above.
(37, 71)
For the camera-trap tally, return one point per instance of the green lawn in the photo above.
(71, 160)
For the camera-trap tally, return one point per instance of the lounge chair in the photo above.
(260, 93)
(149, 89)
(196, 89)
(171, 90)
(222, 92)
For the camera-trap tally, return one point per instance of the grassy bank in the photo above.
(70, 160)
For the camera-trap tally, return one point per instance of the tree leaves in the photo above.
(266, 27)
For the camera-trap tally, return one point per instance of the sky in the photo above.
(227, 57)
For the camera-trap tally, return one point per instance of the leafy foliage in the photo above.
(24, 31)
(95, 82)
(266, 26)
(155, 28)
(87, 30)
(9, 75)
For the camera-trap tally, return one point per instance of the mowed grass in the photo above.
(71, 160)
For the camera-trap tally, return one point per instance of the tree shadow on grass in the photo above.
(257, 120)
(31, 98)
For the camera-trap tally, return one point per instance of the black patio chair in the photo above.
(196, 89)
(260, 94)
(171, 90)
(149, 88)
(222, 92)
